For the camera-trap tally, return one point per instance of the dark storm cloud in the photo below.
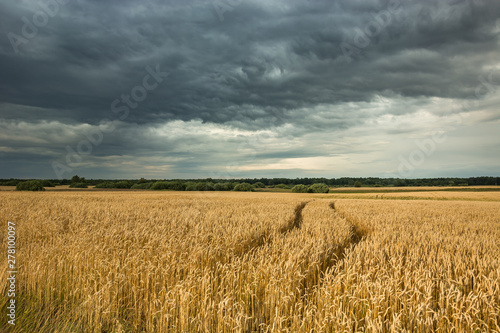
(271, 57)
(265, 64)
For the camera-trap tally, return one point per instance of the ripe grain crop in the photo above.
(239, 262)
(425, 195)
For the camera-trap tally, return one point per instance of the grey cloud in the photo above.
(265, 66)
(94, 52)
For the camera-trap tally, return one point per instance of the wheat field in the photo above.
(251, 262)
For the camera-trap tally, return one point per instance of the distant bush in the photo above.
(357, 184)
(259, 185)
(224, 186)
(180, 186)
(319, 188)
(176, 186)
(11, 183)
(47, 183)
(300, 189)
(159, 185)
(207, 187)
(78, 185)
(104, 185)
(76, 179)
(123, 184)
(282, 186)
(400, 182)
(200, 186)
(30, 185)
(243, 187)
(142, 186)
(126, 184)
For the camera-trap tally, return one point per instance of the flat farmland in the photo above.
(143, 261)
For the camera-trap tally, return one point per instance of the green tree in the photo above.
(47, 183)
(223, 186)
(105, 185)
(123, 184)
(300, 188)
(357, 183)
(400, 182)
(159, 185)
(142, 186)
(204, 186)
(243, 187)
(176, 185)
(78, 185)
(319, 188)
(30, 185)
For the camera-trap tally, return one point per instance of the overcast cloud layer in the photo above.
(224, 89)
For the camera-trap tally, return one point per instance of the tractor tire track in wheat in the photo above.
(305, 231)
(336, 253)
(295, 222)
(357, 233)
(265, 237)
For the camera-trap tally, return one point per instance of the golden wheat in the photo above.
(210, 262)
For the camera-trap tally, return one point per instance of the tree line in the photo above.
(246, 184)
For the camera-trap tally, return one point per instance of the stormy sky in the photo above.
(253, 88)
